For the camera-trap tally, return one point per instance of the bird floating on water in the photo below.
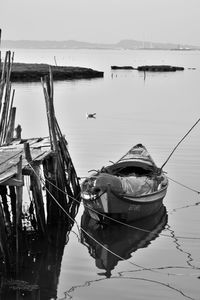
(91, 116)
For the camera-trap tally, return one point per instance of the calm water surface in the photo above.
(156, 110)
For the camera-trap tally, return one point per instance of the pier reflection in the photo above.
(35, 273)
(114, 242)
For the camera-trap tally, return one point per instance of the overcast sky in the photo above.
(103, 21)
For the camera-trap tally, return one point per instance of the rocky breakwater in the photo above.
(159, 68)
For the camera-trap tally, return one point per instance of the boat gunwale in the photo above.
(134, 199)
(145, 195)
(133, 162)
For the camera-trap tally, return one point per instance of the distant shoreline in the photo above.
(77, 45)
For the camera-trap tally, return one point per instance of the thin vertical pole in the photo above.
(0, 47)
(48, 94)
(9, 133)
(19, 191)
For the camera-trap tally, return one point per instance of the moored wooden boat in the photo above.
(128, 190)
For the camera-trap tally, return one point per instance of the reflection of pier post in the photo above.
(144, 75)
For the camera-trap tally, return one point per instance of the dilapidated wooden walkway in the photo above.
(40, 149)
(39, 187)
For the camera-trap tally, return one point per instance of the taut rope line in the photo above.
(180, 142)
(185, 186)
(113, 253)
(117, 221)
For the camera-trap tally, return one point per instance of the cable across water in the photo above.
(110, 218)
(79, 227)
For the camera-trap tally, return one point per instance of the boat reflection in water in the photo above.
(118, 238)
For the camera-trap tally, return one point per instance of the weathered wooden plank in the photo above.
(12, 182)
(9, 157)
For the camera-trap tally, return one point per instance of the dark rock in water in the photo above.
(34, 72)
(159, 68)
(122, 68)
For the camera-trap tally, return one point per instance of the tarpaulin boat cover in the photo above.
(132, 185)
(137, 186)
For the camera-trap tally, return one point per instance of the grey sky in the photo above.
(104, 21)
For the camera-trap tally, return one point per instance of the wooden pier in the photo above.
(39, 187)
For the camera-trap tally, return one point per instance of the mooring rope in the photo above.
(79, 227)
(96, 241)
(122, 223)
(110, 218)
(185, 186)
(180, 143)
(67, 294)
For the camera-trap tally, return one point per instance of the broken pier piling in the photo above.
(39, 187)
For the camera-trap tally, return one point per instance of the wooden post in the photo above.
(4, 246)
(13, 203)
(10, 108)
(18, 131)
(11, 126)
(7, 106)
(36, 190)
(19, 191)
(56, 166)
(66, 188)
(51, 192)
(0, 46)
(3, 194)
(38, 198)
(5, 85)
(27, 152)
(48, 94)
(72, 176)
(3, 71)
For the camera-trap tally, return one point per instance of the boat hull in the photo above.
(125, 208)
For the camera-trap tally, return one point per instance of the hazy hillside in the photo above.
(72, 44)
